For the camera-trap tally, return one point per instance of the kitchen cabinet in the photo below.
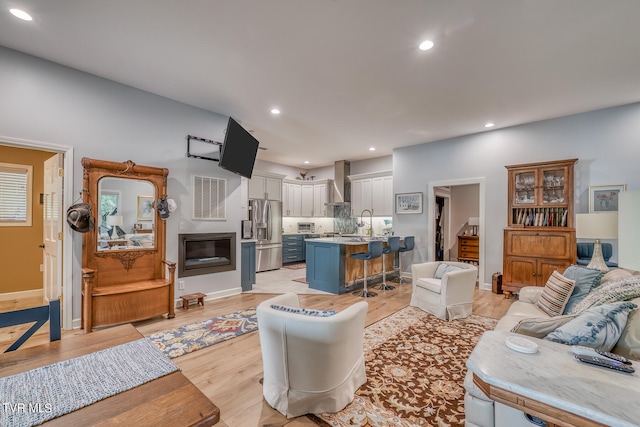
(248, 268)
(372, 191)
(307, 200)
(540, 235)
(265, 186)
(320, 198)
(291, 199)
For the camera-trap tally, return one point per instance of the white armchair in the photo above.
(311, 364)
(449, 297)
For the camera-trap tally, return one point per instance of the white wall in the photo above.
(604, 141)
(43, 101)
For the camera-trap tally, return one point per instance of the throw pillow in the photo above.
(597, 327)
(621, 289)
(443, 269)
(586, 279)
(555, 294)
(540, 327)
(616, 273)
(304, 311)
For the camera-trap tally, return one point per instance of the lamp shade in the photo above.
(114, 220)
(597, 225)
(474, 220)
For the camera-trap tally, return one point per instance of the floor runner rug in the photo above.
(301, 280)
(296, 266)
(415, 367)
(195, 336)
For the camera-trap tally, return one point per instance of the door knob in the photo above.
(41, 246)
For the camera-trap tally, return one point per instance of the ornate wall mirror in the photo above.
(125, 217)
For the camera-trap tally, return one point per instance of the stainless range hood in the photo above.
(341, 184)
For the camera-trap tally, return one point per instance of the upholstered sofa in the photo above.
(444, 289)
(526, 317)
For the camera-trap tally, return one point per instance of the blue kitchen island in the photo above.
(330, 269)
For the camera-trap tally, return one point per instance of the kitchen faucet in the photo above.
(370, 220)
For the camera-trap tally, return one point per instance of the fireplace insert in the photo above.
(205, 253)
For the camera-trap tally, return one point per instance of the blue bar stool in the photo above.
(409, 243)
(393, 245)
(374, 251)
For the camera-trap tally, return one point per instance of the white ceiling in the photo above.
(347, 74)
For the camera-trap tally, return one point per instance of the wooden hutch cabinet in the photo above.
(540, 236)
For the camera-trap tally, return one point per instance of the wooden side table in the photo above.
(190, 297)
(468, 249)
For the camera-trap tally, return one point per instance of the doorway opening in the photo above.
(442, 219)
(61, 256)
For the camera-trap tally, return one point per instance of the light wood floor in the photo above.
(229, 372)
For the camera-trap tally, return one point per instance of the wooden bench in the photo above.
(190, 297)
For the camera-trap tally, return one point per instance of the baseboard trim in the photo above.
(33, 293)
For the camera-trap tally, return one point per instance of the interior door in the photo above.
(52, 228)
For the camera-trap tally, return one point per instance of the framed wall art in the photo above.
(604, 198)
(409, 203)
(145, 208)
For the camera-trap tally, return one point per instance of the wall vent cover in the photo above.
(209, 198)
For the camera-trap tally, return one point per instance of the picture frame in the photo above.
(408, 203)
(604, 198)
(146, 208)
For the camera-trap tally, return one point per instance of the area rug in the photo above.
(415, 367)
(195, 336)
(296, 266)
(301, 280)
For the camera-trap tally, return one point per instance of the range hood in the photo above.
(341, 184)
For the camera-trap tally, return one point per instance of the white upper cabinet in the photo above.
(291, 199)
(372, 191)
(265, 186)
(307, 200)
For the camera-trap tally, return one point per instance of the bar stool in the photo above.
(374, 251)
(409, 243)
(393, 245)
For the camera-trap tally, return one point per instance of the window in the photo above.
(15, 195)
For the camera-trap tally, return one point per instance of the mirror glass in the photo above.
(126, 214)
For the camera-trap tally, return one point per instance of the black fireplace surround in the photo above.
(205, 253)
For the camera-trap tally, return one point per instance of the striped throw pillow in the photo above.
(556, 294)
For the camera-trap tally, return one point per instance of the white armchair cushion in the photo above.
(311, 364)
(433, 285)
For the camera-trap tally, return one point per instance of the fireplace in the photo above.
(206, 253)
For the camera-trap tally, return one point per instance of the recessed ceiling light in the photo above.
(306, 162)
(372, 149)
(426, 45)
(489, 125)
(275, 111)
(21, 14)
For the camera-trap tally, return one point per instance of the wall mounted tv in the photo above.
(238, 151)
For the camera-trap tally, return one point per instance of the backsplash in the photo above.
(342, 221)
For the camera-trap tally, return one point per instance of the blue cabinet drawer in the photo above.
(290, 251)
(291, 258)
(292, 238)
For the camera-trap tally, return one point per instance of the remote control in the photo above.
(614, 356)
(588, 351)
(606, 363)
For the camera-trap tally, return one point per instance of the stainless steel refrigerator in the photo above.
(266, 224)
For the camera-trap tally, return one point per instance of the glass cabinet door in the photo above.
(553, 188)
(525, 185)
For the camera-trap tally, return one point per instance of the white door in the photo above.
(52, 228)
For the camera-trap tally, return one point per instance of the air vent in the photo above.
(209, 198)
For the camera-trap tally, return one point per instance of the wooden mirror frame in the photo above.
(124, 285)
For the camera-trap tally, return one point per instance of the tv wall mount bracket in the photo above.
(206, 141)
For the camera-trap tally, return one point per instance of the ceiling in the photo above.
(347, 74)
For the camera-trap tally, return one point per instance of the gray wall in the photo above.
(46, 102)
(606, 142)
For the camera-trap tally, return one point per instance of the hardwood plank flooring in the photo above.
(229, 373)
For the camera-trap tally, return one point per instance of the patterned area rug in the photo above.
(296, 266)
(195, 336)
(415, 366)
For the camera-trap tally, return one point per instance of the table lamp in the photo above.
(114, 221)
(597, 226)
(474, 222)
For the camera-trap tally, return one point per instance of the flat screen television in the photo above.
(238, 151)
